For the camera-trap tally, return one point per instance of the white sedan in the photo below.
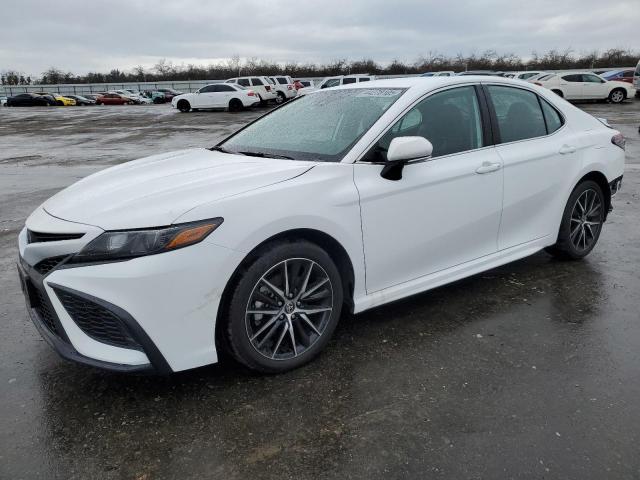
(256, 245)
(586, 86)
(230, 96)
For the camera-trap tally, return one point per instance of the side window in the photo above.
(256, 81)
(627, 74)
(244, 82)
(348, 80)
(551, 117)
(519, 114)
(591, 78)
(573, 78)
(224, 88)
(208, 88)
(334, 82)
(282, 81)
(450, 120)
(364, 79)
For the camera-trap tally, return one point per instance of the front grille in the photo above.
(45, 266)
(37, 237)
(97, 321)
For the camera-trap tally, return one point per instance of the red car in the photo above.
(113, 99)
(619, 75)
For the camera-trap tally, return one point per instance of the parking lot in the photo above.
(530, 370)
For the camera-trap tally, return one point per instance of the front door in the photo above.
(444, 211)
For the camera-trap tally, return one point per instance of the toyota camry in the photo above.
(256, 245)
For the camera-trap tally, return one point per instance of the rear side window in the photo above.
(573, 78)
(224, 88)
(551, 117)
(256, 81)
(519, 113)
(208, 88)
(364, 79)
(348, 80)
(282, 81)
(244, 82)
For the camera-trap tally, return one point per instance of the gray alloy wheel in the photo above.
(280, 98)
(586, 220)
(617, 96)
(289, 309)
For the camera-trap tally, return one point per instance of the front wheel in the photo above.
(617, 96)
(281, 98)
(284, 307)
(184, 106)
(581, 222)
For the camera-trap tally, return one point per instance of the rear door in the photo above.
(535, 151)
(572, 86)
(223, 95)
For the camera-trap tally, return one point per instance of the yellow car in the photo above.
(60, 100)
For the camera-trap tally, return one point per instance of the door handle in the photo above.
(566, 149)
(488, 167)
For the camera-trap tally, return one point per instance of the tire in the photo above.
(265, 342)
(263, 103)
(60, 103)
(558, 92)
(580, 230)
(617, 95)
(281, 98)
(235, 105)
(184, 106)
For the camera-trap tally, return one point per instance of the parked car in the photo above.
(285, 88)
(230, 96)
(336, 81)
(61, 101)
(261, 85)
(137, 97)
(82, 100)
(445, 73)
(92, 96)
(112, 98)
(625, 75)
(586, 86)
(3, 100)
(304, 84)
(169, 93)
(155, 96)
(256, 245)
(636, 79)
(30, 100)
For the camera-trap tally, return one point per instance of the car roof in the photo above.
(431, 83)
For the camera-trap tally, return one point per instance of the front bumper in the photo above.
(164, 305)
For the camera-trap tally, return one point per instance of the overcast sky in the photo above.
(82, 36)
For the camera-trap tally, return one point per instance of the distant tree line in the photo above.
(432, 61)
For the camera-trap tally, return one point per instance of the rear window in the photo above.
(573, 78)
(282, 81)
(256, 81)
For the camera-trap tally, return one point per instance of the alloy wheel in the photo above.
(586, 220)
(617, 96)
(289, 309)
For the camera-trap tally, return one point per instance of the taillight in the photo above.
(289, 87)
(268, 87)
(619, 141)
(537, 83)
(251, 93)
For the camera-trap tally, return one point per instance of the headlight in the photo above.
(126, 244)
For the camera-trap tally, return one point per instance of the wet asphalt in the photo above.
(531, 370)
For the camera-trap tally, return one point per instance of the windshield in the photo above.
(321, 126)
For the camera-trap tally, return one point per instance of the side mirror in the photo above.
(403, 150)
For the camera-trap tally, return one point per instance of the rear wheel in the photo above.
(581, 222)
(284, 307)
(184, 106)
(235, 105)
(281, 98)
(60, 103)
(263, 103)
(617, 95)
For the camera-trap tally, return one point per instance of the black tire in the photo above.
(60, 103)
(617, 95)
(565, 247)
(263, 103)
(237, 324)
(184, 106)
(235, 105)
(558, 92)
(281, 98)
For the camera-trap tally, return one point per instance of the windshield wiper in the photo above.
(221, 149)
(265, 155)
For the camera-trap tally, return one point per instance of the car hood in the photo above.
(156, 190)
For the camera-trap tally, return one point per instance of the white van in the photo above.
(264, 87)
